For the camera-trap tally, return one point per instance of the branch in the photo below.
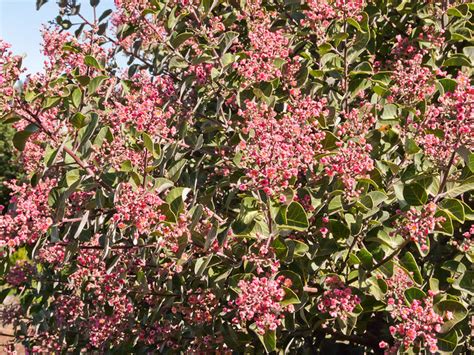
(36, 121)
(383, 261)
(445, 177)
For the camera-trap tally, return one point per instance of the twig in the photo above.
(383, 261)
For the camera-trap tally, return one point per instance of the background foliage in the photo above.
(243, 176)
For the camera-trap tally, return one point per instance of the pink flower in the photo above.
(338, 301)
(280, 148)
(416, 224)
(259, 302)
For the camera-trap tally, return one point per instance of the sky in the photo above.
(20, 26)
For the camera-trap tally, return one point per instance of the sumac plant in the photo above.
(243, 177)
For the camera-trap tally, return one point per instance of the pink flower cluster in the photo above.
(267, 46)
(200, 307)
(139, 208)
(259, 302)
(350, 163)
(397, 284)
(416, 324)
(412, 81)
(357, 122)
(338, 300)
(19, 273)
(453, 117)
(46, 343)
(68, 308)
(9, 73)
(53, 255)
(29, 215)
(142, 106)
(131, 13)
(278, 149)
(467, 242)
(262, 256)
(321, 13)
(416, 224)
(64, 52)
(109, 306)
(202, 72)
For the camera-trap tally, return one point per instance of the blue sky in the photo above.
(20, 26)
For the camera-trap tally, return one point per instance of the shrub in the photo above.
(224, 176)
(8, 161)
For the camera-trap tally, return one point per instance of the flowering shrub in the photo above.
(236, 177)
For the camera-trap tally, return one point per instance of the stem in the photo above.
(383, 261)
(353, 244)
(445, 177)
(310, 289)
(346, 70)
(145, 165)
(444, 7)
(35, 120)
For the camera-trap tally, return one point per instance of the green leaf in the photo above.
(148, 143)
(414, 194)
(467, 156)
(227, 59)
(414, 293)
(105, 133)
(455, 208)
(95, 83)
(76, 97)
(457, 60)
(329, 141)
(458, 11)
(465, 282)
(458, 310)
(201, 265)
(448, 342)
(378, 287)
(20, 138)
(78, 120)
(290, 297)
(338, 229)
(335, 204)
(126, 166)
(469, 52)
(51, 102)
(40, 3)
(461, 188)
(299, 248)
(175, 171)
(162, 184)
(366, 258)
(226, 41)
(411, 147)
(408, 262)
(449, 85)
(268, 339)
(354, 23)
(180, 39)
(92, 62)
(296, 217)
(445, 227)
(72, 176)
(176, 198)
(390, 111)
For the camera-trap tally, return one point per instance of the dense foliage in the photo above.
(247, 176)
(9, 166)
